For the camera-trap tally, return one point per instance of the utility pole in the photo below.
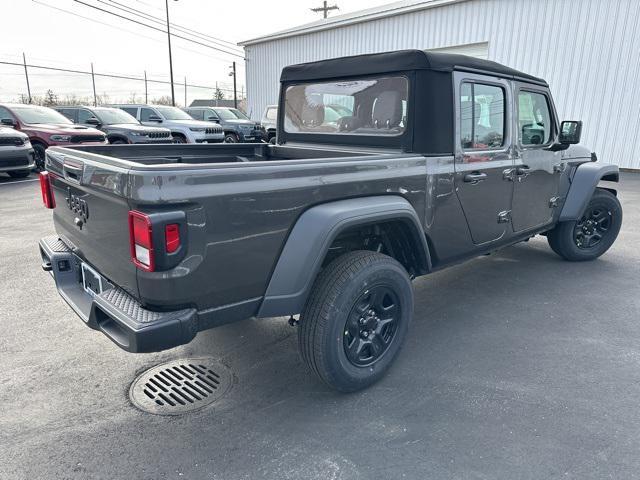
(235, 91)
(325, 9)
(185, 91)
(26, 75)
(173, 96)
(146, 93)
(93, 80)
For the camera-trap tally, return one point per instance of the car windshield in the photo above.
(225, 113)
(367, 106)
(238, 114)
(112, 116)
(173, 113)
(32, 114)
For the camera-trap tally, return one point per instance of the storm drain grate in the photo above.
(180, 386)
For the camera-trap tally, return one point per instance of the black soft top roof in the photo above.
(398, 61)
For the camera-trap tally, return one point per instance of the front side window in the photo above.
(534, 118)
(146, 113)
(482, 116)
(372, 106)
(133, 111)
(84, 115)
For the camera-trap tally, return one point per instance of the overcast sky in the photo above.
(51, 37)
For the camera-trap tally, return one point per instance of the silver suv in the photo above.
(184, 129)
(119, 126)
(16, 153)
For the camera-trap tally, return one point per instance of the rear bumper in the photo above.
(114, 312)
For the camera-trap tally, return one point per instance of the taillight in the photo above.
(47, 192)
(172, 237)
(141, 239)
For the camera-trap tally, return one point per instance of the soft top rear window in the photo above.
(365, 106)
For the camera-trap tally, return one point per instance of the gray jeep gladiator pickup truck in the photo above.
(432, 160)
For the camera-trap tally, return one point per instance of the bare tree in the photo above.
(218, 94)
(50, 98)
(163, 100)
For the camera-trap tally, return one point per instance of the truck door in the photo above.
(483, 159)
(538, 170)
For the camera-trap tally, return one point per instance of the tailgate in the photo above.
(91, 214)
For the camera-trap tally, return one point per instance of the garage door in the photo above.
(478, 50)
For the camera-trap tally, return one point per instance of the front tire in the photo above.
(39, 155)
(231, 138)
(179, 138)
(593, 234)
(356, 319)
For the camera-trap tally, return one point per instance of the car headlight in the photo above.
(197, 129)
(27, 143)
(138, 134)
(60, 138)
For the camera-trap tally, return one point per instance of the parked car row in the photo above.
(119, 124)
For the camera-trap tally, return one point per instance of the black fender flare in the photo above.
(311, 237)
(583, 185)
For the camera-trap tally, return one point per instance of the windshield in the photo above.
(173, 113)
(111, 116)
(225, 114)
(238, 114)
(39, 115)
(372, 106)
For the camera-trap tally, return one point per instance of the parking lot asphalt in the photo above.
(517, 365)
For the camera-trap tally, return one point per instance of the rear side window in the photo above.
(133, 111)
(534, 118)
(70, 113)
(196, 113)
(482, 116)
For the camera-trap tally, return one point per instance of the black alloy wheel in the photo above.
(592, 227)
(371, 326)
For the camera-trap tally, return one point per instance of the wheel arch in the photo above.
(583, 185)
(117, 136)
(315, 231)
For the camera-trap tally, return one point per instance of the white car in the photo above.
(184, 129)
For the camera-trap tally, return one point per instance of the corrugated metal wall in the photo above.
(588, 51)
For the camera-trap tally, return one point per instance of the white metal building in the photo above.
(588, 51)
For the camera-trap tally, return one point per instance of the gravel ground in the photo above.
(517, 366)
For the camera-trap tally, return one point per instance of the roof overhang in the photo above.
(384, 11)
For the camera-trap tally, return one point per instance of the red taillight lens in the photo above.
(47, 192)
(172, 237)
(141, 239)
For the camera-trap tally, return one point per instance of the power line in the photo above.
(158, 29)
(108, 75)
(174, 26)
(125, 30)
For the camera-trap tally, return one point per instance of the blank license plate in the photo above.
(91, 280)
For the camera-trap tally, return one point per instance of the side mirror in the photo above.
(93, 121)
(155, 118)
(570, 132)
(9, 122)
(213, 119)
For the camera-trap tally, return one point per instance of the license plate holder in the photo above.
(91, 280)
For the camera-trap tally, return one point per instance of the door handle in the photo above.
(475, 177)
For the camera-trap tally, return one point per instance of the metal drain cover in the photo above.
(180, 386)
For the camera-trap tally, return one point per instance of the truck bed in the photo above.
(205, 154)
(239, 203)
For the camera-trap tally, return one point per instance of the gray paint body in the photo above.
(260, 218)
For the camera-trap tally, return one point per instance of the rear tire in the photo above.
(593, 234)
(19, 173)
(356, 319)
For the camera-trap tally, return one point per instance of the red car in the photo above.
(46, 127)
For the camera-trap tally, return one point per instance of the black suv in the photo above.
(237, 126)
(119, 126)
